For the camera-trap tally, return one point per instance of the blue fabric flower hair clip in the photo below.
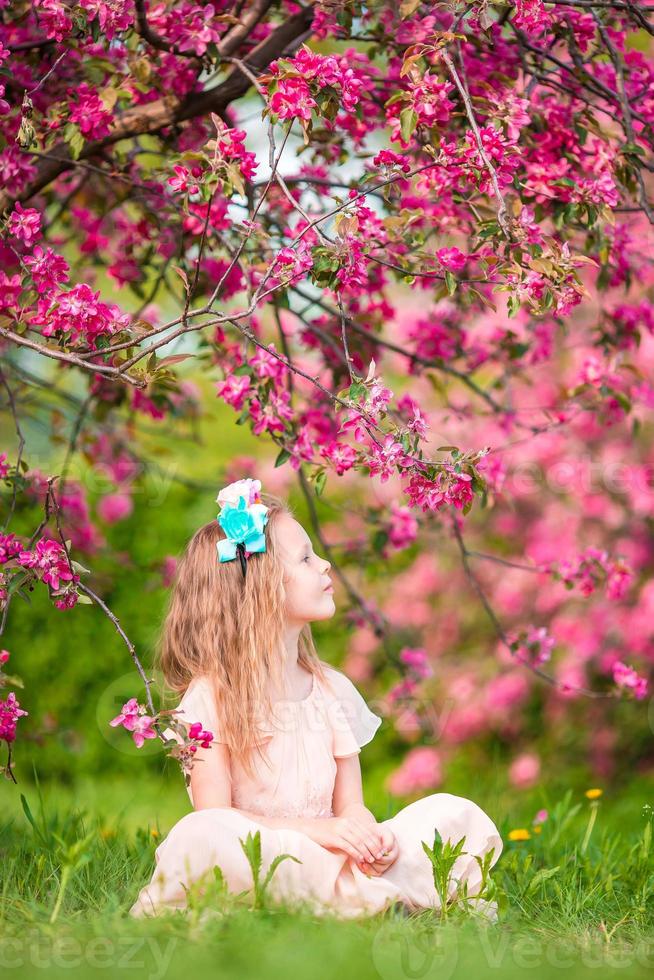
(243, 518)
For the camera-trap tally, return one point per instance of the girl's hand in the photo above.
(355, 836)
(380, 865)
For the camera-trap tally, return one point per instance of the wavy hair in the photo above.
(231, 631)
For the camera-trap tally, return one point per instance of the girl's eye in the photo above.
(307, 558)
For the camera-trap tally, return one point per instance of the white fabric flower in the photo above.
(240, 488)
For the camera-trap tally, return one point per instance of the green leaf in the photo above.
(451, 282)
(540, 877)
(282, 457)
(321, 479)
(408, 123)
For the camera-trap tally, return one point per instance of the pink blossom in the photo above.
(524, 770)
(627, 678)
(49, 558)
(340, 455)
(421, 770)
(79, 313)
(24, 224)
(416, 659)
(148, 406)
(533, 645)
(89, 112)
(114, 507)
(532, 16)
(47, 268)
(403, 527)
(383, 460)
(197, 32)
(234, 390)
(452, 258)
(389, 160)
(268, 417)
(10, 712)
(182, 181)
(114, 16)
(134, 719)
(10, 547)
(168, 570)
(198, 734)
(292, 99)
(53, 19)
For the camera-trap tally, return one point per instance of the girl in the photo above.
(287, 732)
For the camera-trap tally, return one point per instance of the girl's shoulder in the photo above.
(347, 705)
(198, 703)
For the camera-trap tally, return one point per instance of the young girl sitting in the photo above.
(287, 732)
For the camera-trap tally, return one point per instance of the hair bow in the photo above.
(242, 518)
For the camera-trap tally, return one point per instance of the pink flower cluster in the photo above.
(416, 659)
(402, 528)
(449, 487)
(10, 712)
(533, 645)
(202, 737)
(49, 558)
(134, 719)
(298, 79)
(294, 263)
(627, 678)
(420, 770)
(80, 313)
(589, 569)
(230, 146)
(188, 26)
(24, 224)
(524, 770)
(89, 112)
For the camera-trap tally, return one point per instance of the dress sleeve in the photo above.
(197, 704)
(352, 721)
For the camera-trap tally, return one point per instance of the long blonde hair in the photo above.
(230, 630)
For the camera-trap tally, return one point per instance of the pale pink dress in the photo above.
(301, 744)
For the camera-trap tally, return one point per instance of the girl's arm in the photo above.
(347, 800)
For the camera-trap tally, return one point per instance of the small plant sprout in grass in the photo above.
(252, 848)
(209, 897)
(443, 856)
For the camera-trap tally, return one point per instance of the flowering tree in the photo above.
(321, 200)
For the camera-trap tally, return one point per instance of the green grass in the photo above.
(578, 897)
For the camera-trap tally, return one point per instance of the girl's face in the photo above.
(309, 592)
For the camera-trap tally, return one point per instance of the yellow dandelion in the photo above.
(107, 832)
(537, 830)
(593, 794)
(519, 834)
(154, 832)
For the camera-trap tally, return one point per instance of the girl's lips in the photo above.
(328, 588)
